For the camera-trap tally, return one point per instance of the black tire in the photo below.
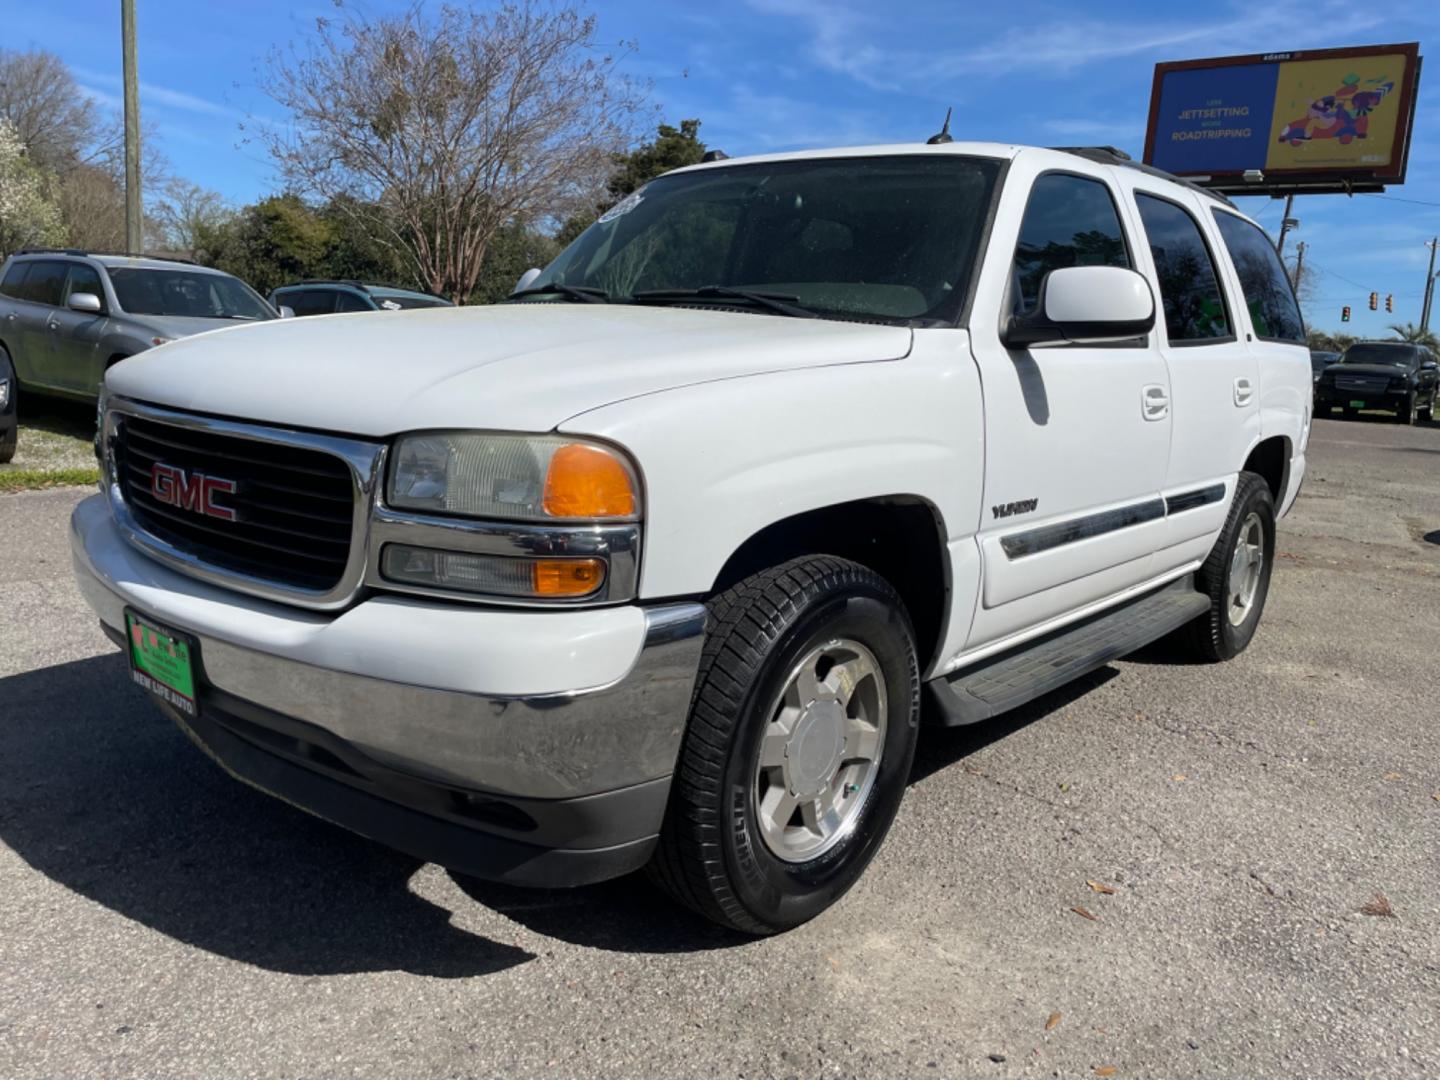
(1215, 635)
(1406, 413)
(712, 855)
(1427, 412)
(9, 413)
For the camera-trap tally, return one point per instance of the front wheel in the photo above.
(1406, 413)
(801, 735)
(9, 407)
(1236, 575)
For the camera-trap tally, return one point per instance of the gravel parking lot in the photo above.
(1264, 836)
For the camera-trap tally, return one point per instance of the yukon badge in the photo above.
(1010, 509)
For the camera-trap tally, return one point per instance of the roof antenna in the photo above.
(943, 135)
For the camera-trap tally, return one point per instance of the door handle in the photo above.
(1244, 391)
(1154, 402)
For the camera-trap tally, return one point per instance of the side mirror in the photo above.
(526, 279)
(1429, 365)
(1085, 304)
(87, 303)
(286, 311)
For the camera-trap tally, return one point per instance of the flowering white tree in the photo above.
(29, 213)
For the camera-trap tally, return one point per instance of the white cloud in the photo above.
(850, 42)
(150, 93)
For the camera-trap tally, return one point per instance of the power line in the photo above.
(1397, 198)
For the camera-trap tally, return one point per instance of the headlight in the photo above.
(513, 477)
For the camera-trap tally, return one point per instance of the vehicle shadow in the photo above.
(942, 747)
(104, 796)
(73, 419)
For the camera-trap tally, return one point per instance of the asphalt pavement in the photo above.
(1264, 835)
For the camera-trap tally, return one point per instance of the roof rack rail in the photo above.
(324, 281)
(1109, 155)
(86, 253)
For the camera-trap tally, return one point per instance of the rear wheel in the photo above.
(1236, 575)
(801, 736)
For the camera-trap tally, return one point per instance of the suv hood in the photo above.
(518, 367)
(178, 326)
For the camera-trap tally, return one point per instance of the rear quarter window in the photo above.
(1271, 301)
(13, 283)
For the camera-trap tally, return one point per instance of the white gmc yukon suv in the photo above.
(653, 565)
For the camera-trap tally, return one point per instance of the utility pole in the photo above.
(1299, 264)
(1429, 285)
(1286, 224)
(134, 227)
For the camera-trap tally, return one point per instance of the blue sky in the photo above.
(768, 75)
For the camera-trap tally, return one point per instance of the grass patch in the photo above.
(56, 448)
(12, 480)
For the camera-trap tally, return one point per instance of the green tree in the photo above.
(672, 148)
(1412, 333)
(1320, 341)
(515, 249)
(270, 243)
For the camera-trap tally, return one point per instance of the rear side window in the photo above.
(348, 301)
(84, 278)
(1189, 286)
(1273, 310)
(309, 301)
(1069, 221)
(46, 282)
(14, 283)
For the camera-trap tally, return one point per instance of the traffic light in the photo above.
(1345, 313)
(1374, 300)
(1389, 301)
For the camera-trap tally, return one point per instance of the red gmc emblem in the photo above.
(191, 491)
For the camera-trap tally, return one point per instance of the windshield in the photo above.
(186, 292)
(1394, 355)
(890, 238)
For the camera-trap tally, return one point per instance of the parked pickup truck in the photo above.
(653, 565)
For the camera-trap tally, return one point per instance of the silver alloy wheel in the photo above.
(1246, 563)
(820, 750)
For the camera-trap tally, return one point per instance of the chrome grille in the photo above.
(1360, 382)
(300, 502)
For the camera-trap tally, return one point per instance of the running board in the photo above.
(1001, 683)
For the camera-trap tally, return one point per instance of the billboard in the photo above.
(1317, 120)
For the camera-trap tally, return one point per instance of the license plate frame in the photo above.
(163, 662)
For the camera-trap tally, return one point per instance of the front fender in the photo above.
(723, 460)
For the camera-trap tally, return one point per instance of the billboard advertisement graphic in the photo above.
(1325, 113)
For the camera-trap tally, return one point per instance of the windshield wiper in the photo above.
(780, 303)
(585, 293)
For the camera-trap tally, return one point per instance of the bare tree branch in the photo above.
(453, 126)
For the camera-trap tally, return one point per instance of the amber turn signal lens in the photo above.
(588, 482)
(568, 577)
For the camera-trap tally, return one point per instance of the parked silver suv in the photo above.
(66, 316)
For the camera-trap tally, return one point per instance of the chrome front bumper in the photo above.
(404, 681)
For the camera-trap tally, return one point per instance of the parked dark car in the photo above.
(1320, 360)
(333, 297)
(1392, 375)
